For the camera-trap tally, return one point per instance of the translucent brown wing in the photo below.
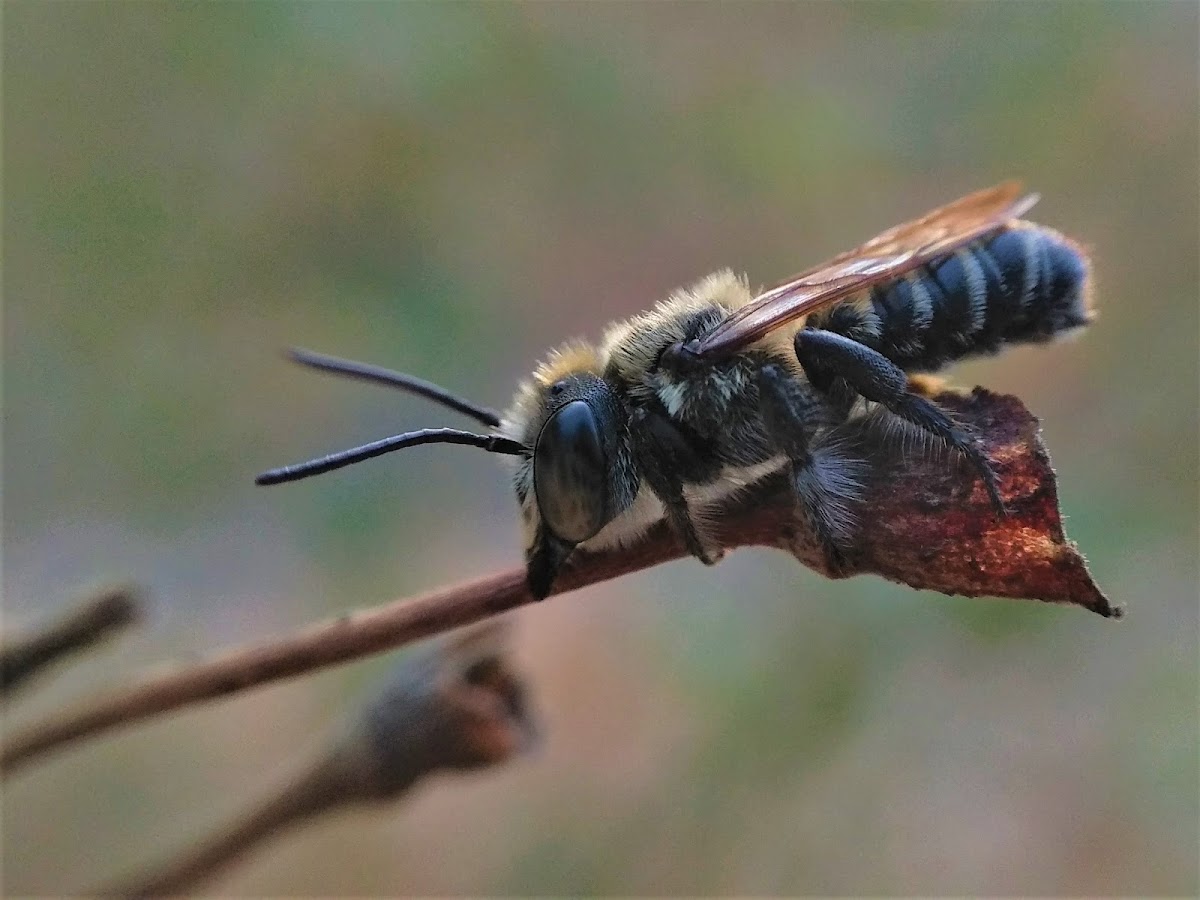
(883, 258)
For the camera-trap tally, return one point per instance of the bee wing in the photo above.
(883, 258)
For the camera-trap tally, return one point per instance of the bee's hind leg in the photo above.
(827, 483)
(877, 378)
(667, 462)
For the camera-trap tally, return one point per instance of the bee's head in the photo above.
(567, 429)
(580, 471)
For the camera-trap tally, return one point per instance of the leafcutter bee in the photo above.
(716, 387)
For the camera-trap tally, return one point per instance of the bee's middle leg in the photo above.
(668, 461)
(826, 483)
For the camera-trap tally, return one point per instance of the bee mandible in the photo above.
(717, 387)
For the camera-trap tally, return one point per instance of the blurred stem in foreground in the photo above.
(453, 706)
(101, 615)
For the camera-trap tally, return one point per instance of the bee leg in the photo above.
(839, 396)
(825, 484)
(544, 561)
(667, 459)
(880, 380)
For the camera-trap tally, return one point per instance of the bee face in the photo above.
(576, 473)
(569, 473)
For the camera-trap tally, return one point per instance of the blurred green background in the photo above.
(451, 189)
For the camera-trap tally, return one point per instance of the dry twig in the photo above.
(927, 524)
(456, 705)
(100, 616)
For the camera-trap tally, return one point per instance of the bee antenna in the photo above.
(493, 443)
(380, 375)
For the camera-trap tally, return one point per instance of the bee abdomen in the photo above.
(1025, 284)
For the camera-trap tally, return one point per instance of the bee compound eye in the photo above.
(570, 473)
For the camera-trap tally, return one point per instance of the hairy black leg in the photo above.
(880, 380)
(544, 562)
(840, 397)
(823, 487)
(666, 460)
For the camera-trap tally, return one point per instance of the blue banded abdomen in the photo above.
(1024, 284)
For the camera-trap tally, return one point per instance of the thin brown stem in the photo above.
(927, 523)
(455, 705)
(313, 793)
(98, 617)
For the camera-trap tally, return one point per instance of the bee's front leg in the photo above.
(826, 482)
(668, 461)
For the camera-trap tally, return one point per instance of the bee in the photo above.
(717, 387)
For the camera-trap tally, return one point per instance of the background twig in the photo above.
(455, 705)
(96, 618)
(927, 523)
